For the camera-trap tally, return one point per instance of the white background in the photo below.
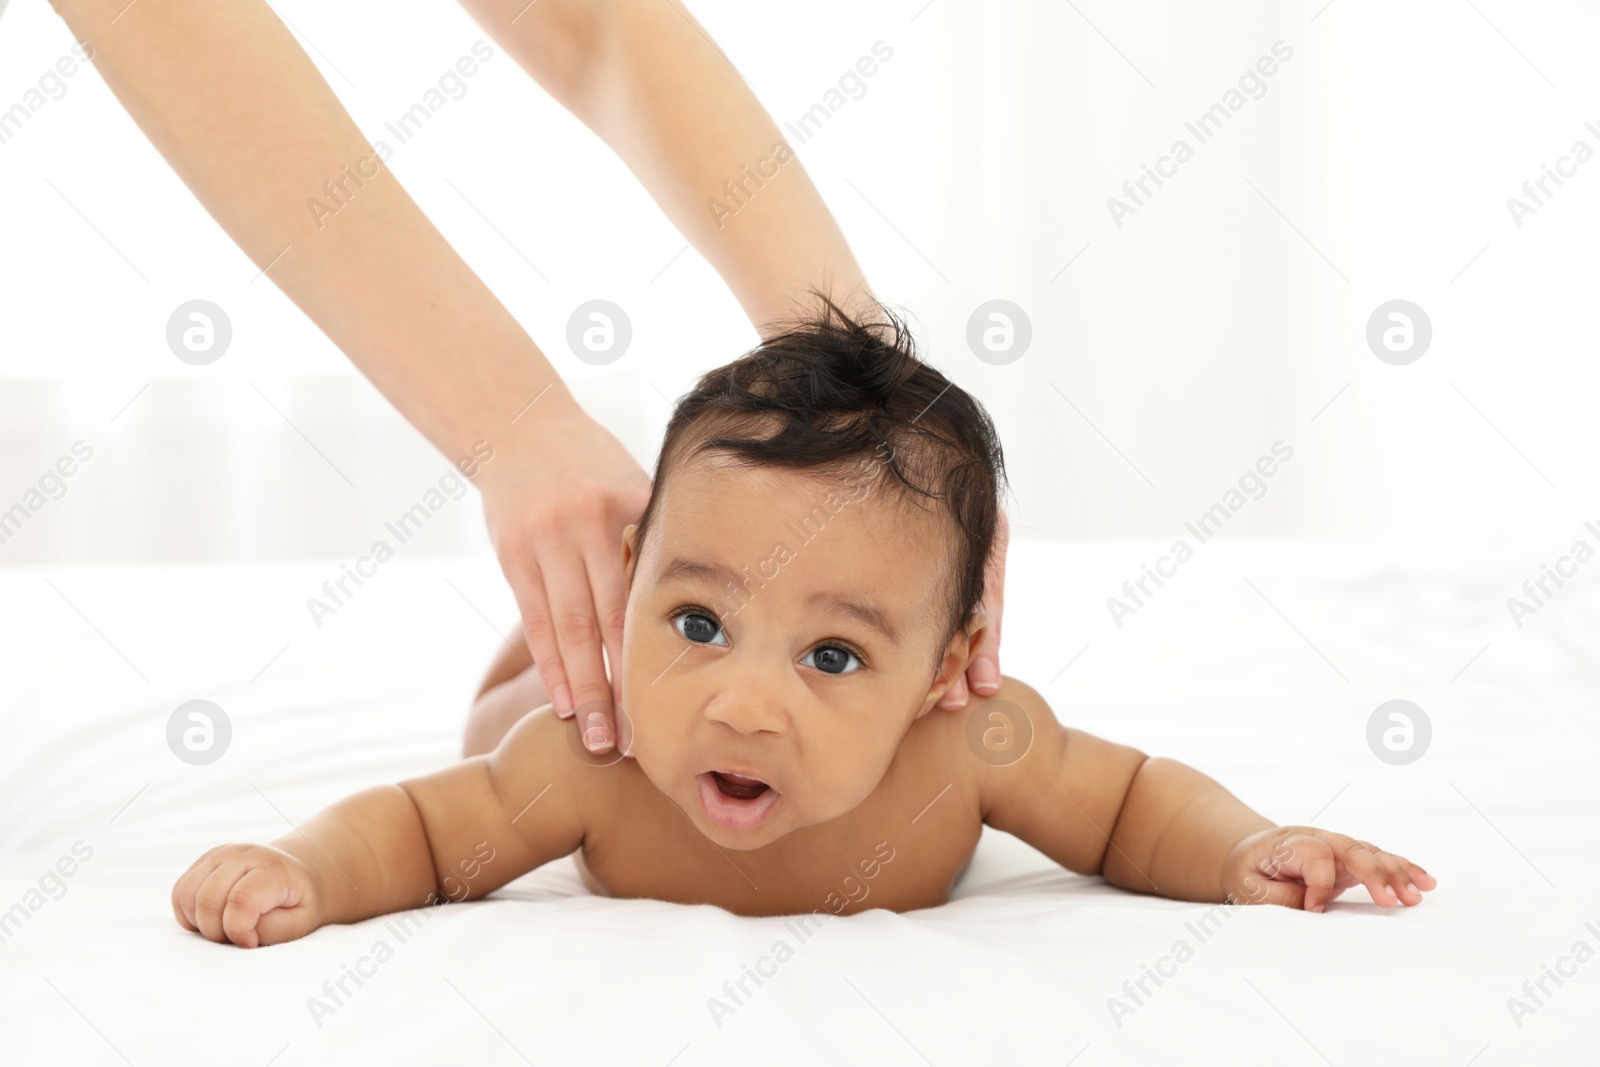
(1166, 358)
(1168, 355)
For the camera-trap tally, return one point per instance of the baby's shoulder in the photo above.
(996, 730)
(543, 758)
(985, 745)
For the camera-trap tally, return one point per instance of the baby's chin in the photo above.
(741, 840)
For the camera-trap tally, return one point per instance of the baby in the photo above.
(802, 589)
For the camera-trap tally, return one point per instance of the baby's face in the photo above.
(779, 642)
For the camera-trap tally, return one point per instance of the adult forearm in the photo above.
(1174, 831)
(653, 85)
(231, 100)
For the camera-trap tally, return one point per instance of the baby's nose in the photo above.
(749, 711)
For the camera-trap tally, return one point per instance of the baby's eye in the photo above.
(699, 628)
(831, 659)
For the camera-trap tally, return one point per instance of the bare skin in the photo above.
(785, 758)
(385, 286)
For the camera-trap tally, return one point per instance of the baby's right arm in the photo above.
(454, 835)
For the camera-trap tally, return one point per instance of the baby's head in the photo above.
(804, 582)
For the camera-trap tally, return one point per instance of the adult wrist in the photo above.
(527, 433)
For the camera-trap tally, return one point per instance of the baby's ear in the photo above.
(976, 629)
(958, 652)
(630, 551)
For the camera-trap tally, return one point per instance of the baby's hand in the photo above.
(249, 894)
(1303, 867)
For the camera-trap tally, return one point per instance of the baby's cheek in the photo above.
(837, 788)
(661, 737)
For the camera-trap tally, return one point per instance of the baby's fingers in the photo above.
(1271, 891)
(253, 895)
(211, 898)
(184, 889)
(1311, 860)
(1409, 880)
(183, 899)
(1365, 864)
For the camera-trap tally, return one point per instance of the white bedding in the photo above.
(1258, 664)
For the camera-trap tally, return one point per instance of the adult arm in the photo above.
(253, 129)
(649, 80)
(651, 83)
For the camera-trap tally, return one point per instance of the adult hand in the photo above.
(383, 284)
(556, 498)
(983, 673)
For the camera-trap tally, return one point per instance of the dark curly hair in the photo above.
(832, 392)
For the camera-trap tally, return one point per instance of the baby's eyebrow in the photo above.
(863, 611)
(699, 570)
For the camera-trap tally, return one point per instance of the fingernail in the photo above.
(985, 675)
(1412, 887)
(596, 734)
(563, 698)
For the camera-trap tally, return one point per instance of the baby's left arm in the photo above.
(1158, 826)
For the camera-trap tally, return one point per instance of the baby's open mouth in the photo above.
(738, 787)
(735, 801)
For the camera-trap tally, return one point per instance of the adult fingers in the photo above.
(538, 630)
(955, 698)
(983, 673)
(610, 589)
(577, 632)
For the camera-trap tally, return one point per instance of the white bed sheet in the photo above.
(1259, 664)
